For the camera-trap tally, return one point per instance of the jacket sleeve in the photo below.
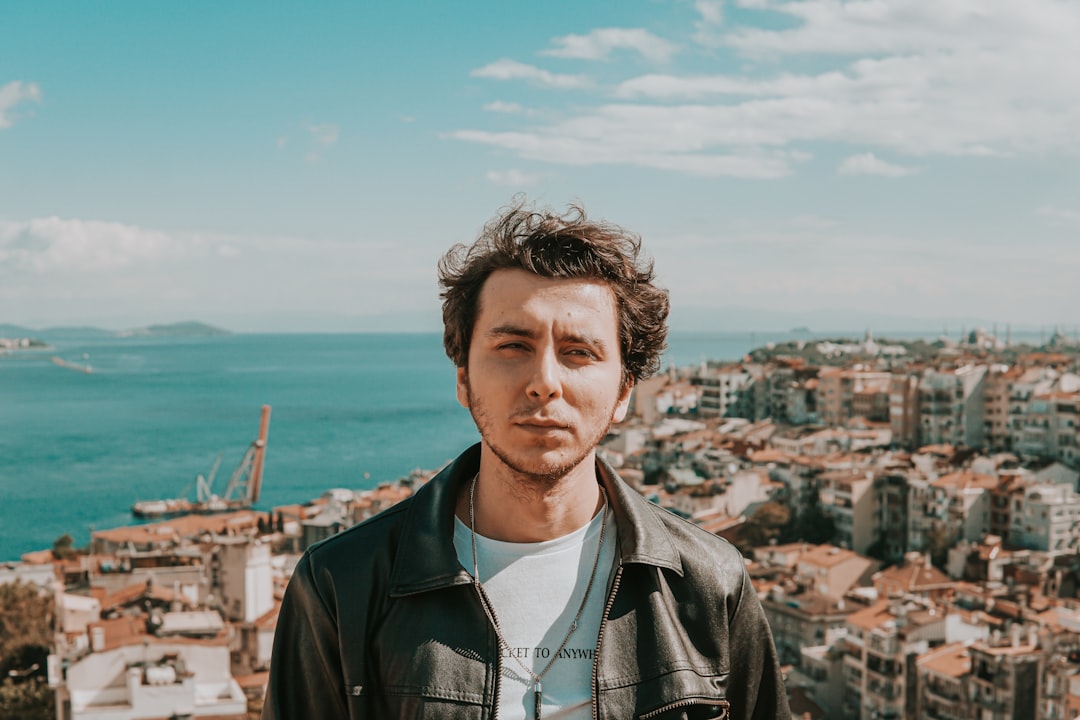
(305, 667)
(756, 686)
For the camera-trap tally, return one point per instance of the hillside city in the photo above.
(908, 512)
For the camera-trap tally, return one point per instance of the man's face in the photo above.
(544, 379)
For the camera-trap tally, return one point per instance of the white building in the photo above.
(1046, 518)
(242, 578)
(145, 678)
(720, 389)
(847, 496)
(951, 406)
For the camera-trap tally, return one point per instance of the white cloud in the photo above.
(512, 178)
(505, 107)
(325, 134)
(909, 78)
(712, 17)
(601, 43)
(282, 141)
(870, 164)
(506, 69)
(1055, 213)
(13, 94)
(583, 146)
(53, 244)
(796, 267)
(63, 271)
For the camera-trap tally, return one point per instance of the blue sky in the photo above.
(302, 167)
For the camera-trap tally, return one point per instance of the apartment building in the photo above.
(1029, 426)
(846, 393)
(881, 646)
(848, 497)
(804, 620)
(241, 578)
(961, 500)
(904, 407)
(942, 674)
(1063, 416)
(1046, 518)
(892, 515)
(1004, 680)
(133, 674)
(996, 405)
(720, 389)
(914, 578)
(952, 406)
(831, 571)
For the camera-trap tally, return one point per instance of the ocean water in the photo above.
(77, 449)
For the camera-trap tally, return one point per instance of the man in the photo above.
(527, 580)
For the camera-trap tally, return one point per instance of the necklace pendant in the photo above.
(538, 695)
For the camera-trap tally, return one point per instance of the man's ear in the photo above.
(624, 402)
(463, 387)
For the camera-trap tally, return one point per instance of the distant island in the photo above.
(180, 329)
(22, 337)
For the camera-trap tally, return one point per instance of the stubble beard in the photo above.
(543, 476)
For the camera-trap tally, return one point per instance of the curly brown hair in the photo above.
(558, 246)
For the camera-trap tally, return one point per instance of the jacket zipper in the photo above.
(683, 703)
(485, 604)
(599, 639)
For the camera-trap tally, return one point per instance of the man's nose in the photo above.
(546, 380)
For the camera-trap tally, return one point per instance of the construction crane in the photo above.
(241, 493)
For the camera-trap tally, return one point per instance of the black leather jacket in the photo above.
(381, 621)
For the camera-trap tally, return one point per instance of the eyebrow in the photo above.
(516, 331)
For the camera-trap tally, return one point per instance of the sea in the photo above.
(348, 411)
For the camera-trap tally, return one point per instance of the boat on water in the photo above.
(83, 368)
(241, 493)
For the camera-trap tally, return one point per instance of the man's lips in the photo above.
(541, 424)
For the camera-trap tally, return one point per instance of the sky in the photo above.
(298, 167)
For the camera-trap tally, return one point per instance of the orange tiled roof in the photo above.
(137, 591)
(254, 680)
(803, 707)
(38, 557)
(827, 556)
(913, 576)
(268, 620)
(186, 526)
(952, 660)
(965, 480)
(872, 617)
(770, 455)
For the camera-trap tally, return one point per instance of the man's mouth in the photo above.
(541, 424)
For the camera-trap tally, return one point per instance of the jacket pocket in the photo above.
(690, 709)
(682, 694)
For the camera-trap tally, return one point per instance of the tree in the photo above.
(938, 541)
(26, 620)
(765, 525)
(30, 700)
(813, 524)
(63, 547)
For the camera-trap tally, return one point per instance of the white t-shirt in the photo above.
(535, 590)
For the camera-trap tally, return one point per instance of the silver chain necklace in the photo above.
(538, 690)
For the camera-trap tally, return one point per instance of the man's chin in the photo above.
(544, 467)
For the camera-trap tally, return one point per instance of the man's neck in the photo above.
(515, 508)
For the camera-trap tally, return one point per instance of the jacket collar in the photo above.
(426, 558)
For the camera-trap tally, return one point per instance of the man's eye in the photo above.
(582, 352)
